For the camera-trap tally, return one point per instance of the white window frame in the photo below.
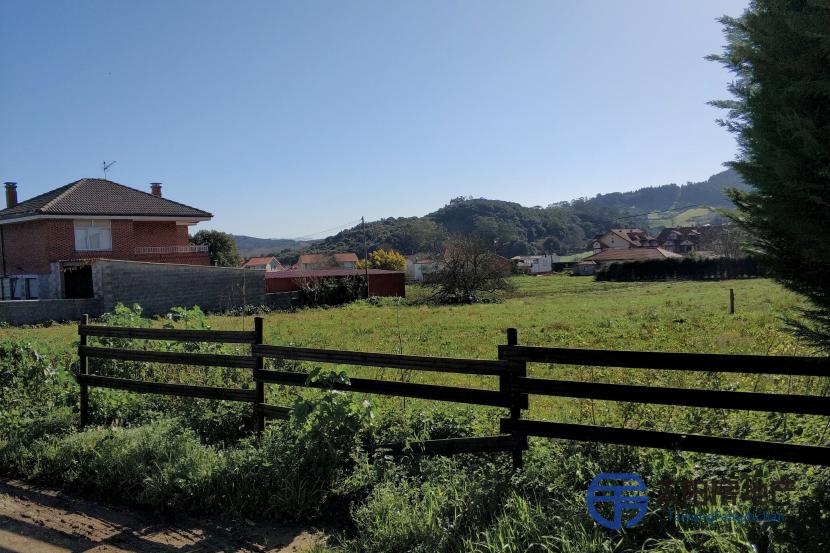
(93, 235)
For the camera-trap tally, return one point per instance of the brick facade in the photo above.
(26, 248)
(31, 246)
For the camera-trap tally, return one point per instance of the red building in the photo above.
(86, 220)
(381, 283)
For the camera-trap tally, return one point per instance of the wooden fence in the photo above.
(514, 387)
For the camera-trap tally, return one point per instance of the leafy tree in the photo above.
(468, 272)
(221, 246)
(389, 260)
(779, 52)
(551, 245)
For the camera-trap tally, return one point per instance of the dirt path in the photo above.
(38, 520)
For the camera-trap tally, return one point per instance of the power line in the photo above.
(341, 226)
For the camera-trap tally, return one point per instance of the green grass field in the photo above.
(688, 217)
(547, 311)
(198, 456)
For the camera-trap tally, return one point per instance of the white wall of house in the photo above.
(543, 264)
(416, 270)
(611, 240)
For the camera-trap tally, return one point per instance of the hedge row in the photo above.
(685, 269)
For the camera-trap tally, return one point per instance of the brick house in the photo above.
(48, 242)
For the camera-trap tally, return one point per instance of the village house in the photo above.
(534, 264)
(682, 240)
(313, 261)
(622, 239)
(590, 265)
(417, 269)
(47, 242)
(267, 264)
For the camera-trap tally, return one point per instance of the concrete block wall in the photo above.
(159, 286)
(27, 312)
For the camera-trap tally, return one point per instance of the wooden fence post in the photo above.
(84, 370)
(259, 416)
(518, 401)
(731, 301)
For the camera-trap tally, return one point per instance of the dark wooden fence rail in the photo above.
(514, 388)
(754, 364)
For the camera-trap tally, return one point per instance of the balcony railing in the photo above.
(192, 248)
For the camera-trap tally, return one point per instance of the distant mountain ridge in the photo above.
(250, 246)
(513, 229)
(673, 196)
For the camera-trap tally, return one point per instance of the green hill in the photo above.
(513, 229)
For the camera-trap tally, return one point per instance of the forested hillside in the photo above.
(514, 229)
(673, 196)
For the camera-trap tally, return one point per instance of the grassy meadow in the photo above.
(197, 456)
(555, 311)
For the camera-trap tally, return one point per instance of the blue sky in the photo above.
(287, 118)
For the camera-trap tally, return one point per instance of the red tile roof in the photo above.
(632, 254)
(258, 261)
(101, 198)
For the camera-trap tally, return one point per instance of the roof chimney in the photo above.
(11, 194)
(155, 189)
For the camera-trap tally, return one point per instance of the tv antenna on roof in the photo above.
(105, 166)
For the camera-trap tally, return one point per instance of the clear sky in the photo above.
(287, 118)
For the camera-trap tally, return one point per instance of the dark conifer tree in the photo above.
(779, 51)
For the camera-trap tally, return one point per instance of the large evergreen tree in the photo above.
(779, 51)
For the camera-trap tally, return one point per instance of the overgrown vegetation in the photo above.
(196, 456)
(319, 291)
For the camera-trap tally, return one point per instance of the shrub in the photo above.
(330, 291)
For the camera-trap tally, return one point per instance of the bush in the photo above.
(316, 292)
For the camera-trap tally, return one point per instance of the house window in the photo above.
(93, 235)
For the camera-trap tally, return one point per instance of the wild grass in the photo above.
(183, 455)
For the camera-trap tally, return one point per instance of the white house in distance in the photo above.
(417, 268)
(534, 264)
(267, 264)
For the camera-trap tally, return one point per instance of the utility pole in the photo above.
(365, 255)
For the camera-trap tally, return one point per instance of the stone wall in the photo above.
(159, 286)
(27, 312)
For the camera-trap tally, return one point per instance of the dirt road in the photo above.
(38, 520)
